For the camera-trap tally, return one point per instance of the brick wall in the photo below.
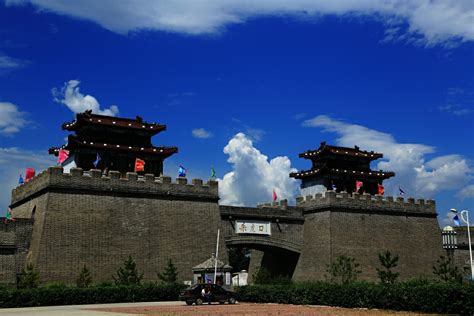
(100, 221)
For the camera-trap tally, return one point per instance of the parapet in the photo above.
(94, 180)
(282, 204)
(365, 201)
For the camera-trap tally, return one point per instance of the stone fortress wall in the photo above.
(100, 220)
(78, 218)
(362, 226)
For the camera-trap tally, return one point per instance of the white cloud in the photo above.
(416, 176)
(9, 63)
(254, 177)
(13, 162)
(11, 119)
(426, 22)
(455, 109)
(70, 96)
(466, 192)
(201, 133)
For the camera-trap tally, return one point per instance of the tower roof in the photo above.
(325, 150)
(75, 143)
(355, 173)
(88, 119)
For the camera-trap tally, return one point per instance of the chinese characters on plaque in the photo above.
(252, 227)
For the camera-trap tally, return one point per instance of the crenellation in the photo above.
(165, 179)
(149, 177)
(95, 181)
(56, 170)
(358, 201)
(367, 196)
(113, 175)
(76, 172)
(197, 182)
(181, 180)
(95, 173)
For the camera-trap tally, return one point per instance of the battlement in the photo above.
(365, 202)
(282, 204)
(78, 181)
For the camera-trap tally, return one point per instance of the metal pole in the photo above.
(217, 254)
(466, 220)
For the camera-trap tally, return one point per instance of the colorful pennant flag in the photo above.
(401, 191)
(9, 216)
(97, 160)
(213, 173)
(29, 174)
(20, 180)
(139, 165)
(380, 189)
(456, 220)
(274, 196)
(359, 185)
(62, 156)
(182, 172)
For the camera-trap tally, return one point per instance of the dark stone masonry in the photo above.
(66, 220)
(93, 211)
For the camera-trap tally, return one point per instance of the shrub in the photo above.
(264, 276)
(29, 278)
(428, 297)
(91, 295)
(343, 270)
(446, 270)
(84, 279)
(128, 274)
(388, 262)
(170, 275)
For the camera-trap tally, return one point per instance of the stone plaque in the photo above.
(252, 227)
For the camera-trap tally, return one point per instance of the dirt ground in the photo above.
(250, 309)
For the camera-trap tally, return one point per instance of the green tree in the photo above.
(265, 276)
(446, 270)
(84, 279)
(128, 274)
(343, 270)
(239, 258)
(29, 278)
(170, 274)
(388, 262)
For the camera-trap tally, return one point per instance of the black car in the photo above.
(217, 294)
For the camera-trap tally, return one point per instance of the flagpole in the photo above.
(217, 254)
(466, 220)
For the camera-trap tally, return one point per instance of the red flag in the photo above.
(63, 155)
(139, 165)
(29, 174)
(359, 185)
(274, 195)
(381, 189)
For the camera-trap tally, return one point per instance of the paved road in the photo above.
(81, 310)
(181, 309)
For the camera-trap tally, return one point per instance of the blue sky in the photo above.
(247, 85)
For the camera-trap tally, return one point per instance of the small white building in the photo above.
(204, 273)
(240, 278)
